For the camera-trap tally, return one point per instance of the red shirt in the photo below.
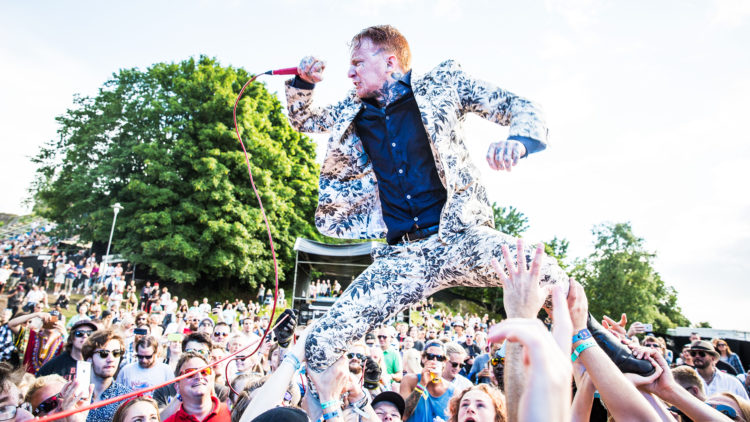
(219, 413)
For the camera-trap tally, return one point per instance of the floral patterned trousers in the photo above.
(404, 274)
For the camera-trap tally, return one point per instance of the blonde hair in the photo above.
(41, 382)
(498, 402)
(685, 375)
(390, 39)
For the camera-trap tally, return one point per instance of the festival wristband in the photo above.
(419, 389)
(581, 347)
(582, 335)
(330, 403)
(289, 357)
(331, 415)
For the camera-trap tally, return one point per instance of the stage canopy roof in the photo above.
(343, 261)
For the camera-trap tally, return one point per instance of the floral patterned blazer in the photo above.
(348, 203)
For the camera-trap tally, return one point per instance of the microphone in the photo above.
(285, 71)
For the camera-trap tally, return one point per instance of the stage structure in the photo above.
(324, 261)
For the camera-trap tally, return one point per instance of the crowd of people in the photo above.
(444, 368)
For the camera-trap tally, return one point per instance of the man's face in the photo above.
(80, 335)
(105, 367)
(146, 357)
(387, 412)
(369, 69)
(431, 334)
(197, 347)
(384, 339)
(453, 365)
(46, 395)
(469, 339)
(247, 325)
(199, 385)
(357, 356)
(141, 320)
(408, 343)
(433, 359)
(701, 359)
(192, 321)
(221, 334)
(459, 329)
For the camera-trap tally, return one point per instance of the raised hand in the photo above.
(311, 69)
(523, 297)
(503, 155)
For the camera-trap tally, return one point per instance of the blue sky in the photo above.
(647, 103)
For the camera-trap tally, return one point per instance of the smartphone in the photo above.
(140, 332)
(649, 328)
(83, 376)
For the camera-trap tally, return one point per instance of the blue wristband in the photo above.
(581, 347)
(582, 335)
(330, 403)
(293, 360)
(331, 415)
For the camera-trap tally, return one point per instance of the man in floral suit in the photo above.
(397, 167)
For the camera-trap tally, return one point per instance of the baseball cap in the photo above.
(82, 322)
(393, 398)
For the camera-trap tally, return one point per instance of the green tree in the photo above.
(619, 277)
(509, 220)
(161, 142)
(703, 324)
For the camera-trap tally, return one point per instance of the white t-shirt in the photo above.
(461, 383)
(724, 382)
(135, 377)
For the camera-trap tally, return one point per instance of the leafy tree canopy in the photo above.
(161, 142)
(619, 277)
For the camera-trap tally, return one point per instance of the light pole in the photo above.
(117, 207)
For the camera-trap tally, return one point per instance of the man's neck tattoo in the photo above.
(391, 90)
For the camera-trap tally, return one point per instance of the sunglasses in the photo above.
(48, 405)
(198, 351)
(205, 372)
(383, 337)
(652, 345)
(725, 410)
(359, 356)
(105, 353)
(694, 353)
(144, 357)
(217, 334)
(432, 356)
(497, 361)
(81, 333)
(455, 364)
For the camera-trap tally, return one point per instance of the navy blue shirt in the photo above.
(394, 138)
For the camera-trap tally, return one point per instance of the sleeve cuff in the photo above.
(532, 145)
(297, 82)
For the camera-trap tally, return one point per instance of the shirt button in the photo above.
(393, 144)
(416, 218)
(400, 171)
(408, 196)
